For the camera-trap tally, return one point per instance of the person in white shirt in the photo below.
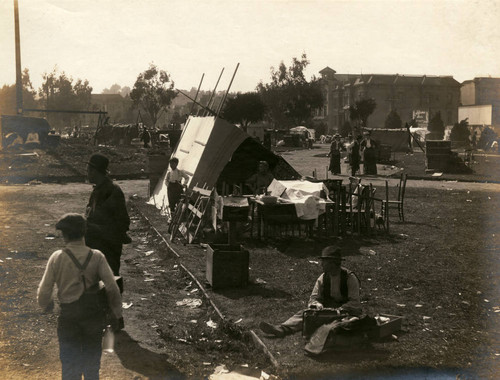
(175, 187)
(76, 270)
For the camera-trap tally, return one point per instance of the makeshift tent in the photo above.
(396, 138)
(213, 151)
(23, 126)
(301, 129)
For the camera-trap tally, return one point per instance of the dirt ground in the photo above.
(161, 339)
(439, 270)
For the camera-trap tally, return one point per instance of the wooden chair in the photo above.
(399, 202)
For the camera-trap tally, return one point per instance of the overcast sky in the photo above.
(112, 41)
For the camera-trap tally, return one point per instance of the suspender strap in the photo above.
(78, 265)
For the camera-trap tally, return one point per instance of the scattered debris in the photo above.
(313, 262)
(149, 279)
(418, 305)
(260, 281)
(410, 288)
(50, 237)
(400, 305)
(126, 305)
(211, 324)
(190, 302)
(437, 174)
(239, 320)
(426, 318)
(148, 253)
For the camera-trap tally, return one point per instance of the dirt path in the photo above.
(161, 339)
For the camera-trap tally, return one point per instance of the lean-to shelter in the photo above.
(214, 152)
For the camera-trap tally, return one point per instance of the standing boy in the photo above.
(76, 270)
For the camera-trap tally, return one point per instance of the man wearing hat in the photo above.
(336, 288)
(76, 270)
(107, 216)
(259, 181)
(334, 154)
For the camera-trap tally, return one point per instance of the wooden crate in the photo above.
(227, 266)
(388, 328)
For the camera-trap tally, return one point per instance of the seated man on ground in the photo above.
(337, 288)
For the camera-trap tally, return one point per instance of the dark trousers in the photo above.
(112, 252)
(80, 347)
(174, 192)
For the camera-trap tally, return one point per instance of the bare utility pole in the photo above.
(19, 75)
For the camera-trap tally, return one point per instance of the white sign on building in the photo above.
(421, 117)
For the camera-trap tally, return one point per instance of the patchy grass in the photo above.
(441, 264)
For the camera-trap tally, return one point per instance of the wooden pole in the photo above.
(227, 91)
(197, 92)
(201, 105)
(19, 74)
(212, 96)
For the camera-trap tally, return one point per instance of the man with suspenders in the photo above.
(337, 288)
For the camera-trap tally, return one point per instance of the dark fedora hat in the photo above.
(99, 162)
(332, 252)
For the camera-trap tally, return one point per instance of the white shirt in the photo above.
(176, 175)
(62, 271)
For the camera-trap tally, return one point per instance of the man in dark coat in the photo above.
(107, 216)
(145, 137)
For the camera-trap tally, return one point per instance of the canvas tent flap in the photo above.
(212, 150)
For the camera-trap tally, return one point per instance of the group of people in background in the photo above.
(359, 147)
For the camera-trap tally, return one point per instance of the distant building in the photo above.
(480, 102)
(402, 93)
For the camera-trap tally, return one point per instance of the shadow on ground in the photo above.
(138, 359)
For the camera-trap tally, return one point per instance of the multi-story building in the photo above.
(480, 102)
(402, 93)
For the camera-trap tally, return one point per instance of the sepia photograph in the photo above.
(249, 189)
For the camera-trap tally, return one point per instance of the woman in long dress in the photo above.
(369, 150)
(334, 154)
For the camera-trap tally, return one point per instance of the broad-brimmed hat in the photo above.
(332, 252)
(99, 162)
(337, 135)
